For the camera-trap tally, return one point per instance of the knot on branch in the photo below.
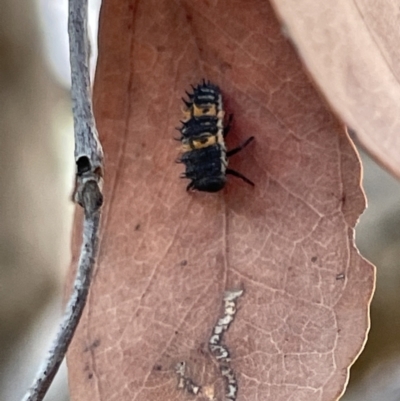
(88, 186)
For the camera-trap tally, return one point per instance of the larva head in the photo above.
(210, 184)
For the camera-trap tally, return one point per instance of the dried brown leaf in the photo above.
(167, 256)
(351, 50)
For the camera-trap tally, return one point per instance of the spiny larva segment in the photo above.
(203, 135)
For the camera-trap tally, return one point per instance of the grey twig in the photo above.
(89, 162)
(72, 314)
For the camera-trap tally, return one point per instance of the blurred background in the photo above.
(37, 175)
(36, 161)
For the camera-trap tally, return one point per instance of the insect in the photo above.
(203, 134)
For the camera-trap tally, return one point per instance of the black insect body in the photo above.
(203, 140)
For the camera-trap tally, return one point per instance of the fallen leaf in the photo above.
(167, 257)
(351, 50)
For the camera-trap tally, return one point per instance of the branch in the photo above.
(89, 162)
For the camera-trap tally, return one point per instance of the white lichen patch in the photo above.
(209, 391)
(184, 382)
(219, 350)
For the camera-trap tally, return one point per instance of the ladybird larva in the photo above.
(203, 133)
